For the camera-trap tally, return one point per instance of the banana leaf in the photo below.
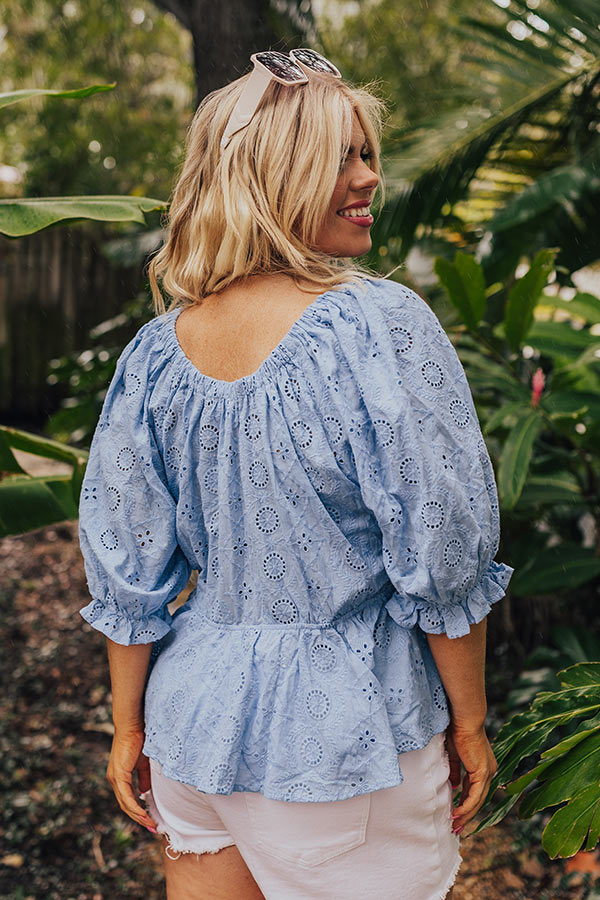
(565, 773)
(9, 97)
(27, 215)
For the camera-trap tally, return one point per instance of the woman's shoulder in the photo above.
(150, 336)
(377, 303)
(388, 296)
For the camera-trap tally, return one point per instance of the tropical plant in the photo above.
(565, 726)
(87, 373)
(125, 143)
(534, 376)
(567, 647)
(536, 381)
(28, 502)
(520, 157)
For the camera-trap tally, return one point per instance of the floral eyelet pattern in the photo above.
(114, 498)
(274, 565)
(432, 373)
(284, 611)
(258, 474)
(267, 519)
(402, 339)
(335, 504)
(126, 459)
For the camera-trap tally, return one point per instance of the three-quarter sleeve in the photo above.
(424, 468)
(127, 516)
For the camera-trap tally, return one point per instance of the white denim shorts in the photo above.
(392, 844)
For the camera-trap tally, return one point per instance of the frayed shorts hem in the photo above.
(178, 845)
(451, 880)
(392, 843)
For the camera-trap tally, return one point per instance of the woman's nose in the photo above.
(364, 179)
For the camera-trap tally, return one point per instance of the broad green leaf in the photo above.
(545, 193)
(524, 297)
(582, 674)
(497, 814)
(42, 446)
(565, 777)
(516, 456)
(555, 569)
(549, 490)
(502, 382)
(513, 748)
(589, 727)
(594, 832)
(479, 365)
(30, 503)
(8, 463)
(28, 215)
(77, 480)
(584, 306)
(560, 339)
(569, 826)
(589, 357)
(567, 703)
(465, 285)
(507, 411)
(515, 788)
(450, 277)
(570, 403)
(473, 279)
(8, 97)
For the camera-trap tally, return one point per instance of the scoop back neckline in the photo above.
(279, 353)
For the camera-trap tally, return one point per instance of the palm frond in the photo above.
(536, 90)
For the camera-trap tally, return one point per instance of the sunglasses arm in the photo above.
(247, 104)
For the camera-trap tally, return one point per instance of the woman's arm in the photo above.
(461, 664)
(128, 670)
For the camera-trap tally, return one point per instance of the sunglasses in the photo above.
(269, 65)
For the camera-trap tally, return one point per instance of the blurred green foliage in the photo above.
(129, 142)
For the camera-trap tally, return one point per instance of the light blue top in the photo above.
(338, 503)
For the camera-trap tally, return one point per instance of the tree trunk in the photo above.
(224, 33)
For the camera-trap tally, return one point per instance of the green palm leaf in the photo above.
(565, 772)
(28, 215)
(9, 97)
(526, 118)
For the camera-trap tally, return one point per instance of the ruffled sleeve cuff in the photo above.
(454, 620)
(121, 629)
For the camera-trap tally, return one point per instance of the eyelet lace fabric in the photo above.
(337, 504)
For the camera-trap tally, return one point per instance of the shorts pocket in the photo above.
(308, 833)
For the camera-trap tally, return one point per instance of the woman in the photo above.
(303, 435)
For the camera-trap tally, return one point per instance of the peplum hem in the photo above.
(112, 622)
(297, 715)
(456, 620)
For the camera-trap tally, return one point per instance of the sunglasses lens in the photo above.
(315, 61)
(281, 66)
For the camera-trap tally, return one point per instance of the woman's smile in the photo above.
(357, 214)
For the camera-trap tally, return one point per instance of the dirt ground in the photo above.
(62, 835)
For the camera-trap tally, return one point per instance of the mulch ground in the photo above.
(62, 835)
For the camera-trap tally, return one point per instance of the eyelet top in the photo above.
(335, 503)
(282, 353)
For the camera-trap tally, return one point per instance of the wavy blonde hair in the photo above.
(257, 206)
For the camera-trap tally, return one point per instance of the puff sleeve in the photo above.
(423, 466)
(127, 516)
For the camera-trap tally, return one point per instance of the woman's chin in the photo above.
(350, 249)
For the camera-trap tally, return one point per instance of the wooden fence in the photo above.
(54, 286)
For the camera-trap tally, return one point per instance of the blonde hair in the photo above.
(257, 206)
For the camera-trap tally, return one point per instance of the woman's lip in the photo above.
(363, 221)
(358, 204)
